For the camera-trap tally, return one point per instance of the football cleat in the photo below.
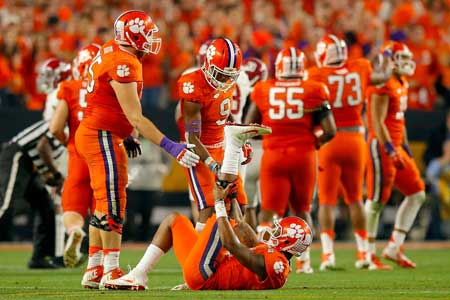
(397, 255)
(92, 277)
(130, 282)
(363, 260)
(72, 254)
(376, 264)
(111, 275)
(238, 134)
(328, 262)
(303, 266)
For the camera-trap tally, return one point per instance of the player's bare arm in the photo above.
(230, 241)
(58, 122)
(129, 102)
(379, 108)
(192, 123)
(52, 176)
(325, 119)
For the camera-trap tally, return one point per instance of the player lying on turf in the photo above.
(203, 256)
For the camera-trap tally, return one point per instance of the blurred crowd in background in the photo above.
(35, 30)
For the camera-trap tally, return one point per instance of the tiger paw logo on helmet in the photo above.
(210, 52)
(188, 88)
(123, 70)
(278, 267)
(136, 25)
(295, 231)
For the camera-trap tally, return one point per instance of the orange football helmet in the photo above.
(82, 61)
(222, 64)
(331, 52)
(401, 57)
(291, 234)
(290, 63)
(255, 69)
(136, 29)
(50, 73)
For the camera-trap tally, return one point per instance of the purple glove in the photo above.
(180, 152)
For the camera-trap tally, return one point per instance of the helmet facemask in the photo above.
(221, 80)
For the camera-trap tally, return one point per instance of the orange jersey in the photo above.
(284, 106)
(231, 275)
(397, 91)
(73, 92)
(104, 111)
(347, 86)
(216, 105)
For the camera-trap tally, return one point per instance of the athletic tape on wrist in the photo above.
(221, 210)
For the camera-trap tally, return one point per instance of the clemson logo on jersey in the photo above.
(123, 70)
(136, 25)
(278, 267)
(188, 88)
(210, 52)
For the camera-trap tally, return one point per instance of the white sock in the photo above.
(230, 163)
(397, 239)
(372, 248)
(199, 226)
(95, 259)
(59, 235)
(110, 260)
(407, 212)
(327, 243)
(305, 256)
(373, 211)
(149, 260)
(361, 242)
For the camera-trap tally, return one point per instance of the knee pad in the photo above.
(419, 197)
(107, 223)
(373, 207)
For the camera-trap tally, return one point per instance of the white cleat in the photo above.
(130, 281)
(240, 133)
(362, 260)
(304, 267)
(180, 287)
(328, 262)
(72, 255)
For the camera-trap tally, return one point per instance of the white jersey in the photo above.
(240, 95)
(50, 105)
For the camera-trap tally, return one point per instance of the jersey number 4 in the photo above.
(355, 82)
(285, 103)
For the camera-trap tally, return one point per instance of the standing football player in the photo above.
(390, 159)
(205, 97)
(292, 106)
(347, 81)
(105, 134)
(255, 70)
(77, 194)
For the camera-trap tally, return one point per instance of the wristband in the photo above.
(221, 210)
(389, 148)
(211, 163)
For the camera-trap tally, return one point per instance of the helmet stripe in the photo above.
(231, 52)
(293, 59)
(338, 44)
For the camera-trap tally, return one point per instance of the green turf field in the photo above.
(431, 280)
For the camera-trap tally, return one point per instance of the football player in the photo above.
(106, 133)
(255, 70)
(293, 107)
(347, 81)
(390, 160)
(206, 266)
(77, 194)
(52, 73)
(205, 97)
